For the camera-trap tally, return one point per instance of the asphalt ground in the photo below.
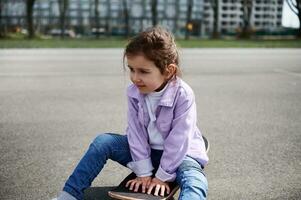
(53, 102)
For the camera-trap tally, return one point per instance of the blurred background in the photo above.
(53, 102)
(185, 18)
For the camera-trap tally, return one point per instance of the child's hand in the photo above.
(139, 181)
(159, 186)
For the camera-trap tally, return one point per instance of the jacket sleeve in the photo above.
(177, 142)
(138, 142)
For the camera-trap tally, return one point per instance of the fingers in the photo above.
(137, 186)
(128, 183)
(167, 189)
(158, 188)
(132, 183)
(150, 188)
(136, 183)
(144, 186)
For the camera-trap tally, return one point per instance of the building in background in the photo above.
(266, 16)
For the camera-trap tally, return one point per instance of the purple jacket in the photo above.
(176, 120)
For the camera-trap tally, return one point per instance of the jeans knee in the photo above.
(102, 142)
(101, 138)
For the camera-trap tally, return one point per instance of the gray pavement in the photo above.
(53, 102)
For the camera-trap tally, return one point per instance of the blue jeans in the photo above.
(190, 175)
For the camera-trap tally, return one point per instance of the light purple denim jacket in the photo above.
(176, 120)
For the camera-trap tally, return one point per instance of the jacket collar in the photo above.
(168, 95)
(170, 92)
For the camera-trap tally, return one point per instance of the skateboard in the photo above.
(123, 193)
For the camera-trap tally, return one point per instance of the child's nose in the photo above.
(135, 77)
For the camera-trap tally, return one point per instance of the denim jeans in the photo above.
(190, 175)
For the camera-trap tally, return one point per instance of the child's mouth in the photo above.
(140, 86)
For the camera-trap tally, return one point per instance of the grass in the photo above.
(66, 43)
(117, 42)
(232, 43)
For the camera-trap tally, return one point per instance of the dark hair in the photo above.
(156, 44)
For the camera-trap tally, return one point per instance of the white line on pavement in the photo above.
(287, 72)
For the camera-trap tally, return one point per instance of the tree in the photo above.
(214, 5)
(247, 12)
(108, 19)
(188, 19)
(63, 6)
(2, 29)
(96, 17)
(154, 4)
(126, 17)
(176, 29)
(296, 8)
(29, 17)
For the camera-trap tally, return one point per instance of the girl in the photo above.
(162, 142)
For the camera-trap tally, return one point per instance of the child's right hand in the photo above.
(139, 181)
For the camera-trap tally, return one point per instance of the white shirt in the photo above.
(155, 137)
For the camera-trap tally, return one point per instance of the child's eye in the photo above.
(144, 72)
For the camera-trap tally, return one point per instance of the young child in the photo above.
(162, 142)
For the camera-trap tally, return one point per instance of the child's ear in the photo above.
(170, 70)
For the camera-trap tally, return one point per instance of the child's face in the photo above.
(144, 74)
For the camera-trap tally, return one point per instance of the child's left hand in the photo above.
(159, 186)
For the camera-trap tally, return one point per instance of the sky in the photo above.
(289, 19)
